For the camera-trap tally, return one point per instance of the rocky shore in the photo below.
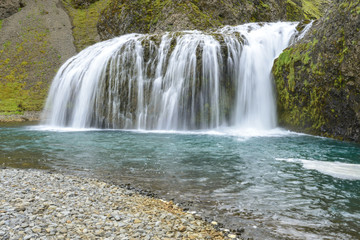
(44, 205)
(27, 116)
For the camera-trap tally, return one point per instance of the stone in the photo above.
(27, 237)
(137, 218)
(36, 229)
(182, 229)
(137, 221)
(99, 232)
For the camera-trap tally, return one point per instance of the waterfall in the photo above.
(175, 81)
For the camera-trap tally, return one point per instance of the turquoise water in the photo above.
(274, 184)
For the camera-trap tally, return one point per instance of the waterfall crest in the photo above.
(177, 81)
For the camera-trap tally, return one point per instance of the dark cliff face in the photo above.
(82, 3)
(318, 79)
(142, 16)
(9, 7)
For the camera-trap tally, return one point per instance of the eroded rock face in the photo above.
(141, 16)
(9, 7)
(82, 3)
(318, 79)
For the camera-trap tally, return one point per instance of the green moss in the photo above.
(293, 11)
(306, 58)
(291, 80)
(312, 8)
(201, 19)
(1, 21)
(308, 9)
(313, 81)
(20, 89)
(342, 54)
(283, 59)
(300, 111)
(264, 5)
(84, 22)
(339, 81)
(344, 5)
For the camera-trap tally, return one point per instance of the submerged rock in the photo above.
(317, 79)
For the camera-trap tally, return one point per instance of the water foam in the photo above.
(335, 169)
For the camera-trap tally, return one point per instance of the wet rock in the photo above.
(317, 79)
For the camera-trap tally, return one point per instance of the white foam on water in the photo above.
(335, 169)
(242, 134)
(61, 129)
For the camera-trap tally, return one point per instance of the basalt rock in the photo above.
(82, 3)
(142, 16)
(9, 7)
(317, 79)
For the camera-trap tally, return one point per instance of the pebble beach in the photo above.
(45, 205)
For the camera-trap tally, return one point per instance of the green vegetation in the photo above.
(317, 78)
(312, 8)
(291, 65)
(144, 16)
(293, 11)
(1, 21)
(309, 9)
(202, 19)
(84, 21)
(22, 88)
(149, 14)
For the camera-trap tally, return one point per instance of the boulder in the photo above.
(318, 78)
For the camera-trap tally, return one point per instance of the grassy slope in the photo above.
(84, 22)
(28, 62)
(21, 88)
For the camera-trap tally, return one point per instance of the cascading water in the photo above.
(178, 81)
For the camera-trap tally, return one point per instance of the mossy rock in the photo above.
(317, 79)
(82, 3)
(144, 16)
(84, 16)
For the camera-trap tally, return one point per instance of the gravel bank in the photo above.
(27, 116)
(43, 205)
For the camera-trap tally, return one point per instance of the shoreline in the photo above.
(39, 203)
(27, 116)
